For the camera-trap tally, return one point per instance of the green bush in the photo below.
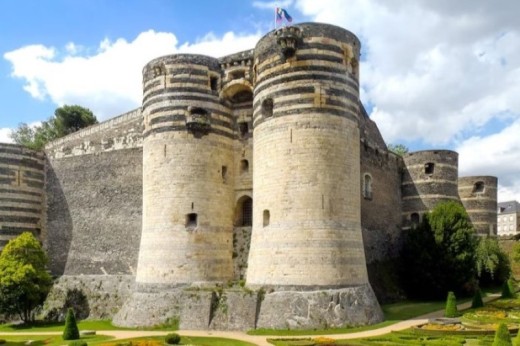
(477, 299)
(172, 339)
(71, 331)
(507, 290)
(451, 306)
(78, 343)
(502, 337)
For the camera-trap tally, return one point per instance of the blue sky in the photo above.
(434, 74)
(87, 22)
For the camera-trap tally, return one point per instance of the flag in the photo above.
(282, 14)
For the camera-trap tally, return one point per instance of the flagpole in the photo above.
(275, 13)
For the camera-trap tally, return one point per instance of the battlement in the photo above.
(121, 132)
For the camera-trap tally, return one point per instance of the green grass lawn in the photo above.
(41, 326)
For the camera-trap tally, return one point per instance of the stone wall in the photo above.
(121, 132)
(93, 297)
(94, 199)
(22, 178)
(380, 182)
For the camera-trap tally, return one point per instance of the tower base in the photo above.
(239, 308)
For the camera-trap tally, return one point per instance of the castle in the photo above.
(261, 167)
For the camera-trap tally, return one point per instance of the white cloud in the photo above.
(440, 72)
(4, 135)
(109, 81)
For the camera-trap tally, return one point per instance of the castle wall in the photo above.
(188, 193)
(94, 198)
(381, 204)
(22, 179)
(478, 194)
(430, 177)
(306, 214)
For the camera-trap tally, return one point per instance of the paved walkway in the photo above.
(261, 340)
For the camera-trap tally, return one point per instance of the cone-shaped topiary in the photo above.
(477, 299)
(172, 339)
(507, 291)
(502, 337)
(451, 306)
(71, 331)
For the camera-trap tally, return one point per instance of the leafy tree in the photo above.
(24, 282)
(439, 255)
(398, 149)
(451, 306)
(66, 120)
(493, 265)
(71, 331)
(502, 336)
(515, 252)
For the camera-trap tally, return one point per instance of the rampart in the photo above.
(94, 197)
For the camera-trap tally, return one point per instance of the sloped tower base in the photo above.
(243, 309)
(334, 308)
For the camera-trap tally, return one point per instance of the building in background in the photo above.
(508, 214)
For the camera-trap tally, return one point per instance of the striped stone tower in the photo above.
(478, 194)
(22, 178)
(306, 213)
(430, 177)
(306, 219)
(188, 181)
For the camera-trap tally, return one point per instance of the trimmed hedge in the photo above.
(502, 337)
(451, 306)
(477, 300)
(172, 339)
(71, 331)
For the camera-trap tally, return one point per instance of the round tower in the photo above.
(187, 175)
(478, 194)
(22, 179)
(429, 177)
(306, 212)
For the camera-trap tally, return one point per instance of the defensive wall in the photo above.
(94, 197)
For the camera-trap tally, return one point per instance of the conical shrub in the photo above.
(477, 300)
(451, 306)
(71, 331)
(502, 337)
(507, 291)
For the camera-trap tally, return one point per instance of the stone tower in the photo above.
(478, 194)
(22, 179)
(429, 177)
(306, 219)
(187, 186)
(306, 215)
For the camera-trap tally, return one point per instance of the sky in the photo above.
(435, 74)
